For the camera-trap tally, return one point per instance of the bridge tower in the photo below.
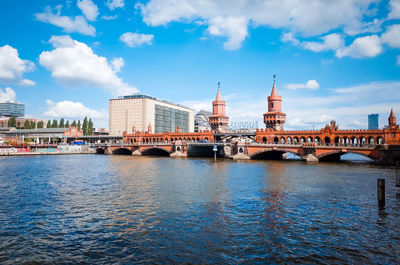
(218, 120)
(274, 118)
(392, 120)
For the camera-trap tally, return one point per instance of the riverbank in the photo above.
(46, 153)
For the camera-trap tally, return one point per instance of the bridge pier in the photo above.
(137, 153)
(178, 154)
(310, 158)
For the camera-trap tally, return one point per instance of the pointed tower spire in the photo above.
(392, 119)
(274, 92)
(219, 97)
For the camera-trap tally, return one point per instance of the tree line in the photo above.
(86, 125)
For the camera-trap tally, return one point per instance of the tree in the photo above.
(61, 125)
(73, 124)
(85, 126)
(67, 124)
(27, 124)
(1, 124)
(48, 124)
(54, 124)
(90, 127)
(33, 125)
(18, 125)
(79, 125)
(40, 124)
(12, 122)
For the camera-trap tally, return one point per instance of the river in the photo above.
(156, 210)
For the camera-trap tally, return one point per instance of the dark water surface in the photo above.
(122, 209)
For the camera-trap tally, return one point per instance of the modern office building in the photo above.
(12, 109)
(140, 112)
(202, 121)
(373, 121)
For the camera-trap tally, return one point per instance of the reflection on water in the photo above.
(109, 209)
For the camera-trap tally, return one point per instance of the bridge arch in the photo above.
(327, 140)
(270, 154)
(264, 140)
(335, 155)
(100, 150)
(122, 151)
(155, 151)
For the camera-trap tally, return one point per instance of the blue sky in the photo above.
(333, 59)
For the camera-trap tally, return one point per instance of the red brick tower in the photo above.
(392, 120)
(218, 120)
(274, 118)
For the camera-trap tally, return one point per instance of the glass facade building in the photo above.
(373, 121)
(167, 119)
(12, 109)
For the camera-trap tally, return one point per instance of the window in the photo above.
(272, 104)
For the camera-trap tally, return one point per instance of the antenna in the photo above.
(219, 83)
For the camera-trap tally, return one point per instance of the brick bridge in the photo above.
(326, 144)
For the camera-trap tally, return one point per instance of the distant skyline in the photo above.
(333, 59)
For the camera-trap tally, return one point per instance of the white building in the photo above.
(141, 111)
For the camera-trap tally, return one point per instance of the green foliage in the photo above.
(61, 125)
(54, 124)
(48, 124)
(12, 122)
(90, 127)
(85, 126)
(32, 125)
(40, 124)
(18, 125)
(73, 124)
(79, 125)
(27, 124)
(67, 124)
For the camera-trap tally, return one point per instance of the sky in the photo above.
(333, 59)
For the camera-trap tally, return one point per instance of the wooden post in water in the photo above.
(215, 149)
(381, 192)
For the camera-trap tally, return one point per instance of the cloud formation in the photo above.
(392, 36)
(307, 17)
(394, 6)
(329, 42)
(7, 95)
(12, 67)
(113, 4)
(74, 64)
(76, 24)
(70, 109)
(368, 46)
(311, 84)
(136, 39)
(89, 9)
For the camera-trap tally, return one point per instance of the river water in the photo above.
(154, 210)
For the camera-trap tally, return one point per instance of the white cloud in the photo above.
(109, 17)
(329, 42)
(76, 24)
(7, 95)
(113, 4)
(74, 64)
(89, 9)
(307, 17)
(117, 64)
(394, 7)
(311, 84)
(392, 36)
(70, 109)
(369, 46)
(12, 67)
(289, 37)
(136, 39)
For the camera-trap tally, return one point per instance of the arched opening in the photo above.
(346, 141)
(178, 149)
(197, 139)
(302, 140)
(122, 151)
(206, 139)
(155, 152)
(268, 155)
(296, 140)
(100, 151)
(346, 157)
(282, 140)
(289, 140)
(327, 141)
(371, 141)
(337, 141)
(264, 140)
(353, 141)
(276, 140)
(241, 150)
(362, 141)
(317, 140)
(309, 139)
(380, 140)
